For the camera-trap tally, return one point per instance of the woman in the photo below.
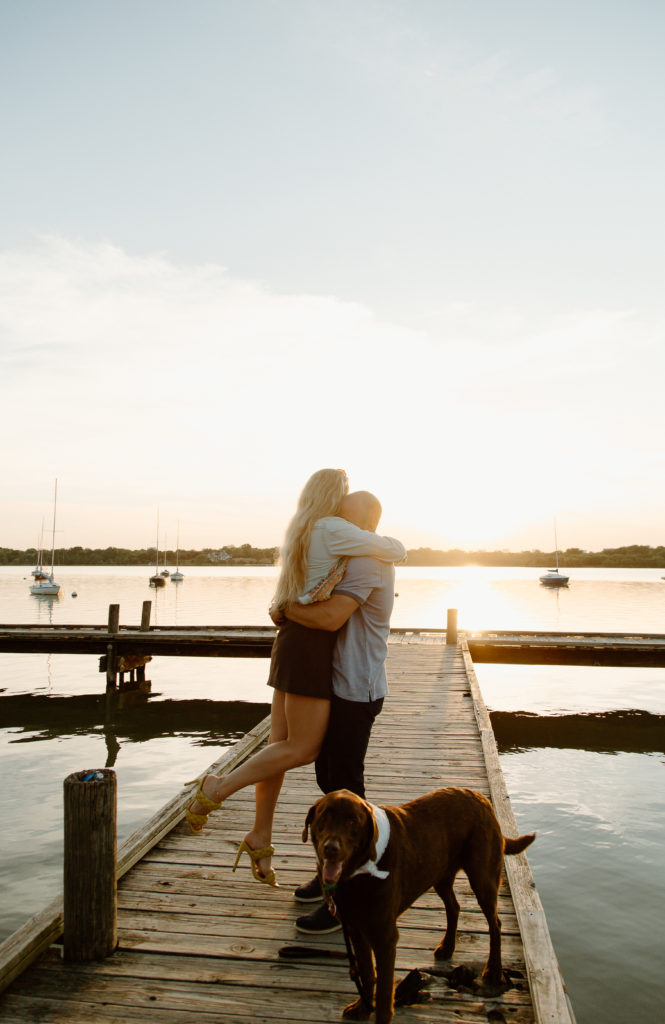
(300, 664)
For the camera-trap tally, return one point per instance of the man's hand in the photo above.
(330, 614)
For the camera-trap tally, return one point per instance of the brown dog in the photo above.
(429, 840)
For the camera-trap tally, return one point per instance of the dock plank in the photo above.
(199, 942)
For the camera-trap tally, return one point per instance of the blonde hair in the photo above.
(321, 496)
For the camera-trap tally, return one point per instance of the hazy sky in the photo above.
(421, 240)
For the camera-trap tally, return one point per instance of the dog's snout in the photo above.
(331, 848)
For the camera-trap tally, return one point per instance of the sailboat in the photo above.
(157, 580)
(45, 586)
(554, 578)
(165, 571)
(39, 572)
(177, 575)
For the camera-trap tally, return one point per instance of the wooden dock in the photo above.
(198, 943)
(521, 647)
(513, 646)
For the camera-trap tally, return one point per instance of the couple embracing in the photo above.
(333, 603)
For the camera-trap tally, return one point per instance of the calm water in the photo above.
(595, 795)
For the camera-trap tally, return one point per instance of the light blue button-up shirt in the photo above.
(359, 657)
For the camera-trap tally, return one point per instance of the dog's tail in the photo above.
(519, 844)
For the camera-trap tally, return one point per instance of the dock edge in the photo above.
(548, 992)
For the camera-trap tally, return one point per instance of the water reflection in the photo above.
(128, 717)
(132, 717)
(600, 872)
(44, 607)
(609, 732)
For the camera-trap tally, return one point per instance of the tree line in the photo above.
(632, 556)
(639, 556)
(244, 554)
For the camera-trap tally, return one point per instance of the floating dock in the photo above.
(199, 943)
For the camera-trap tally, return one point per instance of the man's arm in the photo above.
(330, 615)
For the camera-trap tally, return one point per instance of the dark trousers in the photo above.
(341, 760)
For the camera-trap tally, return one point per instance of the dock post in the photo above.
(90, 892)
(111, 674)
(111, 660)
(114, 618)
(145, 615)
(451, 626)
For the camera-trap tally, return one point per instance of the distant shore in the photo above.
(635, 556)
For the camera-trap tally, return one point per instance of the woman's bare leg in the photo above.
(306, 720)
(267, 791)
(306, 723)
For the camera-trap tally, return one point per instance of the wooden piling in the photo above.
(451, 626)
(111, 673)
(113, 627)
(114, 618)
(145, 615)
(90, 900)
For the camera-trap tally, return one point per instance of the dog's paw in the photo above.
(492, 978)
(356, 1011)
(444, 950)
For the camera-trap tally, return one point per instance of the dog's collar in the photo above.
(383, 824)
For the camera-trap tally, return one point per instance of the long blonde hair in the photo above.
(321, 496)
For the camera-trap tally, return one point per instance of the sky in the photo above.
(241, 240)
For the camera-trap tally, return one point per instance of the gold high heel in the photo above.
(197, 822)
(256, 855)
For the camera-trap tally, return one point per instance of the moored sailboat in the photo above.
(165, 572)
(39, 572)
(554, 578)
(45, 585)
(177, 575)
(157, 580)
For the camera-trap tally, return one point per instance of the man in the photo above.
(360, 609)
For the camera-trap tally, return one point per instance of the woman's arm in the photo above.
(324, 588)
(344, 538)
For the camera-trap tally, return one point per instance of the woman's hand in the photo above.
(277, 615)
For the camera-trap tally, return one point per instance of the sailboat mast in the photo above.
(157, 547)
(556, 546)
(55, 503)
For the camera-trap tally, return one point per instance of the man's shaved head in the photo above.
(362, 508)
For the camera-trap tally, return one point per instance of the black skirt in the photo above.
(301, 660)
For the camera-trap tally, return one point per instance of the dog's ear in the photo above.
(308, 822)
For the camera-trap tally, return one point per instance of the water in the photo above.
(590, 784)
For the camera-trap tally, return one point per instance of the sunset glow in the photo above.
(417, 241)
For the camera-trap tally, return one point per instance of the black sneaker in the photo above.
(309, 893)
(319, 922)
